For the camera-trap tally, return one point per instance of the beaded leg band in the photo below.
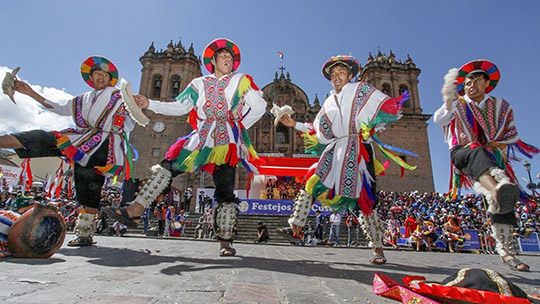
(372, 227)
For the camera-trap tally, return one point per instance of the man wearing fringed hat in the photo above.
(480, 132)
(343, 133)
(96, 146)
(221, 107)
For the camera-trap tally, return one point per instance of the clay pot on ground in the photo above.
(38, 233)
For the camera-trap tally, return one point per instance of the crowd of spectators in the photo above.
(19, 202)
(424, 214)
(425, 221)
(282, 188)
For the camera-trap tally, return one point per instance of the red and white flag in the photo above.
(280, 56)
(68, 179)
(26, 176)
(57, 183)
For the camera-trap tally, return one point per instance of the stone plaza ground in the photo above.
(158, 270)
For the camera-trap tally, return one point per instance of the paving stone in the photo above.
(155, 270)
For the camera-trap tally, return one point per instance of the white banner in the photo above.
(10, 174)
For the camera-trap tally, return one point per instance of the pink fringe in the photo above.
(175, 149)
(394, 105)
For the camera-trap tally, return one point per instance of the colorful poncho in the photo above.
(220, 112)
(341, 178)
(489, 124)
(98, 115)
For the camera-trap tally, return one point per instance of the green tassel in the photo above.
(178, 163)
(202, 157)
(246, 139)
(383, 118)
(189, 94)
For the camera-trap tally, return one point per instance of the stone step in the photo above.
(247, 228)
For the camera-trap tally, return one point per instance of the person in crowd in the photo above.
(181, 217)
(145, 217)
(416, 240)
(119, 229)
(410, 225)
(309, 233)
(160, 212)
(262, 233)
(453, 233)
(10, 200)
(335, 223)
(169, 217)
(319, 225)
(430, 234)
(201, 227)
(202, 201)
(352, 228)
(392, 230)
(188, 194)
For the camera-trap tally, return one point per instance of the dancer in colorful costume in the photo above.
(97, 146)
(344, 130)
(221, 107)
(483, 139)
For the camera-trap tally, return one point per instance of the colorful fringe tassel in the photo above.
(67, 149)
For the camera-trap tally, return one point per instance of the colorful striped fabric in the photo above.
(340, 59)
(101, 62)
(478, 65)
(216, 45)
(6, 220)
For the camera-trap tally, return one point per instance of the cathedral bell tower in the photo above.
(165, 74)
(410, 132)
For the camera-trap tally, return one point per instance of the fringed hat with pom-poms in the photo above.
(101, 63)
(216, 45)
(480, 65)
(348, 61)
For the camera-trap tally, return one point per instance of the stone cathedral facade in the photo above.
(165, 73)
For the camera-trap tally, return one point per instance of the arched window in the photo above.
(157, 80)
(387, 89)
(282, 135)
(175, 86)
(403, 88)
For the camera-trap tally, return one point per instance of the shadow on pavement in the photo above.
(123, 257)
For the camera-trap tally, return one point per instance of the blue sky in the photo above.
(50, 39)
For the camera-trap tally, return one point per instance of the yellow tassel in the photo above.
(310, 141)
(188, 162)
(253, 152)
(333, 201)
(379, 168)
(323, 197)
(366, 131)
(115, 178)
(218, 155)
(244, 86)
(104, 169)
(310, 184)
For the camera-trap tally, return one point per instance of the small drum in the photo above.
(175, 229)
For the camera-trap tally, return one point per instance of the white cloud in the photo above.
(28, 114)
